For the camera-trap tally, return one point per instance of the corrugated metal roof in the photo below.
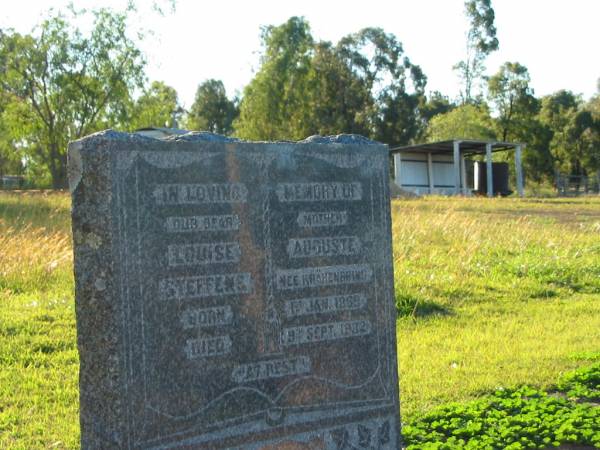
(470, 146)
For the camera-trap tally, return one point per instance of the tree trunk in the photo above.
(58, 167)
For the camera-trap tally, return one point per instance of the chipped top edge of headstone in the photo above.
(200, 136)
(206, 136)
(356, 139)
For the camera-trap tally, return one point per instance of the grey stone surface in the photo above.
(234, 294)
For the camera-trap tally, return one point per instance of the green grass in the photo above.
(39, 400)
(491, 294)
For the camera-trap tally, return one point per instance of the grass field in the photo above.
(490, 293)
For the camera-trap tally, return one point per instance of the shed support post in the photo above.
(488, 170)
(397, 168)
(430, 172)
(519, 170)
(463, 174)
(456, 161)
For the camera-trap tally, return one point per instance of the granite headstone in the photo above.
(234, 294)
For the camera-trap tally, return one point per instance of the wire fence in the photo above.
(575, 185)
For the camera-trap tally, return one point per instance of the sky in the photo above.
(557, 40)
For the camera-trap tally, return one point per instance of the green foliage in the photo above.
(362, 85)
(158, 106)
(432, 105)
(10, 163)
(212, 110)
(513, 100)
(523, 418)
(538, 161)
(481, 41)
(575, 142)
(340, 100)
(594, 105)
(582, 384)
(464, 122)
(517, 119)
(395, 85)
(274, 105)
(482, 31)
(62, 84)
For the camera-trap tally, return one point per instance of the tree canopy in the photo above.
(364, 84)
(274, 105)
(464, 122)
(61, 84)
(481, 41)
(513, 100)
(212, 110)
(575, 142)
(157, 106)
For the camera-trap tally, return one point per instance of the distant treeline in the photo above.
(59, 83)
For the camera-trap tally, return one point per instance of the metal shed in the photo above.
(440, 167)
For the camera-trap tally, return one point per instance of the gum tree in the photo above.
(212, 110)
(481, 41)
(62, 83)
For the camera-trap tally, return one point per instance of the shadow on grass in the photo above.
(411, 306)
(543, 293)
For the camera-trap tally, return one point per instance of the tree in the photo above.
(433, 104)
(212, 110)
(513, 99)
(364, 84)
(158, 106)
(338, 97)
(463, 122)
(430, 106)
(481, 41)
(63, 84)
(395, 84)
(517, 118)
(10, 162)
(274, 105)
(594, 104)
(575, 143)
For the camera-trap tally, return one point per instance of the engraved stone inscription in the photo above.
(318, 192)
(205, 286)
(324, 246)
(207, 317)
(187, 224)
(325, 332)
(323, 305)
(313, 219)
(206, 347)
(307, 277)
(209, 253)
(246, 289)
(264, 370)
(190, 194)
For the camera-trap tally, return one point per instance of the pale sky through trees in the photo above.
(557, 40)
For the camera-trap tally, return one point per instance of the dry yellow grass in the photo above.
(35, 241)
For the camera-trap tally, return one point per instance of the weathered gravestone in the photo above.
(234, 294)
